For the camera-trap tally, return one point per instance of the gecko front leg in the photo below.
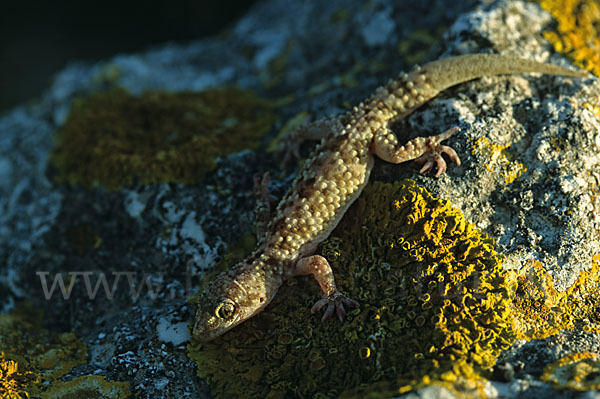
(426, 150)
(335, 300)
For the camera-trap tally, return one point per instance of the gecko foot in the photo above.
(261, 190)
(289, 151)
(335, 303)
(433, 154)
(289, 146)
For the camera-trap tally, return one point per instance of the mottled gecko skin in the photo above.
(329, 183)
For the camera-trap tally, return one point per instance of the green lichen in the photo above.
(46, 355)
(434, 309)
(415, 48)
(113, 138)
(33, 360)
(89, 387)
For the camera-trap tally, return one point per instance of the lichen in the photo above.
(581, 299)
(575, 372)
(13, 380)
(541, 311)
(577, 31)
(537, 303)
(500, 160)
(416, 47)
(593, 108)
(89, 387)
(33, 359)
(113, 138)
(434, 309)
(46, 355)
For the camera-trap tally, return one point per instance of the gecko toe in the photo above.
(441, 164)
(330, 309)
(335, 305)
(319, 304)
(451, 153)
(261, 190)
(340, 311)
(428, 164)
(288, 151)
(432, 155)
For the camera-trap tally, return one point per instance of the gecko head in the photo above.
(224, 304)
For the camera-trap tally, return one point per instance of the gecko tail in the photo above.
(448, 72)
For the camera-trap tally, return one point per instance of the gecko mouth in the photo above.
(201, 333)
(208, 327)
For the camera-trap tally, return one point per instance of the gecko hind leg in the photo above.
(425, 150)
(289, 148)
(335, 300)
(262, 209)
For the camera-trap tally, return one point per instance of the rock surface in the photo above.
(530, 147)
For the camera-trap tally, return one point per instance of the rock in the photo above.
(529, 179)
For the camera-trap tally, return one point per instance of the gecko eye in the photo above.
(226, 309)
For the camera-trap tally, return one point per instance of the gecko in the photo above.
(331, 180)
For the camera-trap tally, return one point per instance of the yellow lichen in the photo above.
(581, 299)
(537, 303)
(594, 108)
(541, 311)
(576, 372)
(500, 160)
(434, 309)
(577, 31)
(12, 380)
(114, 138)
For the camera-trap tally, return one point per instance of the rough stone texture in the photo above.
(319, 57)
(552, 220)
